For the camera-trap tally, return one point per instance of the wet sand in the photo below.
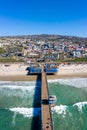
(18, 78)
(34, 77)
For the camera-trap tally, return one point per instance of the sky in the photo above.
(26, 17)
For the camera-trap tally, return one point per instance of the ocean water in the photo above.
(20, 104)
(20, 107)
(70, 110)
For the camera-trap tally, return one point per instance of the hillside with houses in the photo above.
(42, 48)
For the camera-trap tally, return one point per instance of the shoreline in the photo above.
(18, 78)
(19, 72)
(34, 77)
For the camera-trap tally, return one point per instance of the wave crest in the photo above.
(64, 109)
(60, 109)
(76, 82)
(80, 105)
(26, 112)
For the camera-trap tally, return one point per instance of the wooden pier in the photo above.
(46, 110)
(46, 100)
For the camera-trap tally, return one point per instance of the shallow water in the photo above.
(20, 107)
(70, 111)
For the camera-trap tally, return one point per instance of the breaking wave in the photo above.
(64, 109)
(19, 94)
(76, 82)
(23, 88)
(29, 86)
(60, 110)
(80, 105)
(26, 83)
(26, 112)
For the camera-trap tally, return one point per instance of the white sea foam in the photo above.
(62, 109)
(26, 112)
(15, 87)
(76, 82)
(31, 85)
(13, 122)
(80, 105)
(20, 83)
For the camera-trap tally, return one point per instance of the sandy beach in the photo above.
(19, 72)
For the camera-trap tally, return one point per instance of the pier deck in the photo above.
(46, 112)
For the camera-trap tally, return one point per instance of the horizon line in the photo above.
(15, 35)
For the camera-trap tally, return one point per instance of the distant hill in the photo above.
(51, 38)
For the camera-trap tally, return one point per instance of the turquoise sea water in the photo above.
(20, 104)
(70, 111)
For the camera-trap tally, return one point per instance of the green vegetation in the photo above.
(10, 59)
(74, 60)
(20, 49)
(1, 50)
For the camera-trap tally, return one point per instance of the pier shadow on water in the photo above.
(36, 121)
